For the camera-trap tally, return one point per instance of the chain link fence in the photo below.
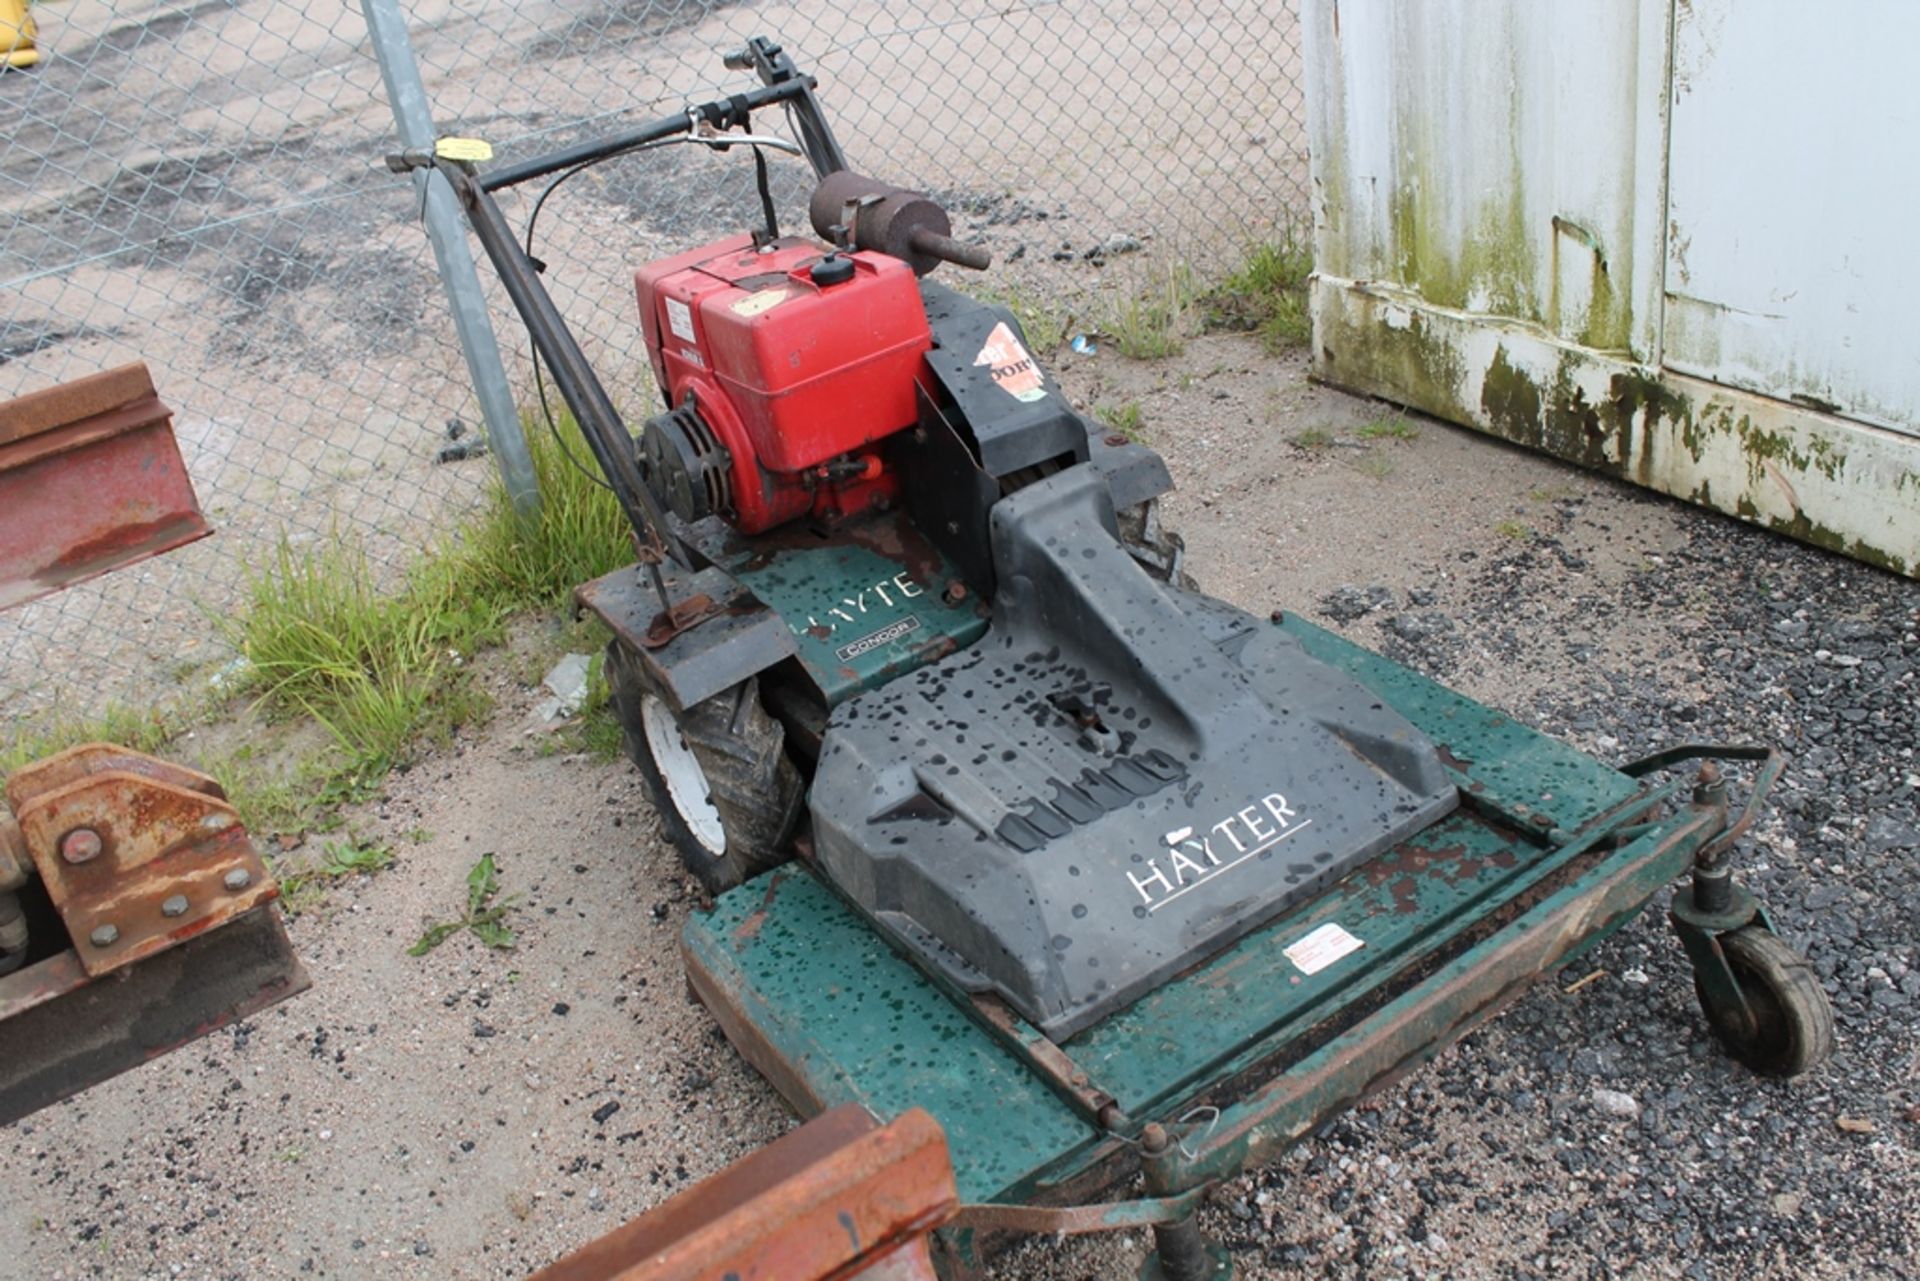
(198, 184)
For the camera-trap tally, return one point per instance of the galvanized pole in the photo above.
(448, 232)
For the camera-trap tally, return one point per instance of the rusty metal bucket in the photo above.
(91, 479)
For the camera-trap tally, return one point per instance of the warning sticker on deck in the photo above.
(1322, 948)
(1011, 365)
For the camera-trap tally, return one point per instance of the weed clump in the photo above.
(1126, 419)
(1155, 324)
(1389, 428)
(383, 665)
(485, 915)
(1267, 295)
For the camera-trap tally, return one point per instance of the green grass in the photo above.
(514, 564)
(323, 639)
(1518, 530)
(383, 666)
(1376, 465)
(1314, 439)
(1267, 295)
(1125, 419)
(1394, 428)
(1155, 324)
(144, 731)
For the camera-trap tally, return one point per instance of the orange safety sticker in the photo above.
(1011, 365)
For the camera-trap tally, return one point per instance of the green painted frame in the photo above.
(1455, 923)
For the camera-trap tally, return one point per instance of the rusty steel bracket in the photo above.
(841, 1196)
(684, 616)
(146, 921)
(91, 479)
(136, 854)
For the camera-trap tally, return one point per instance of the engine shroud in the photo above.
(1120, 777)
(1118, 780)
(796, 360)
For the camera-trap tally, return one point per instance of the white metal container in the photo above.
(1666, 239)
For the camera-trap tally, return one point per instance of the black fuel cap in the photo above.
(832, 270)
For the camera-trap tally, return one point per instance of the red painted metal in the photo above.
(91, 479)
(788, 372)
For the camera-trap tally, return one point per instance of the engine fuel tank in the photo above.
(814, 354)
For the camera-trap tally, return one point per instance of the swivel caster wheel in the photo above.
(1776, 1019)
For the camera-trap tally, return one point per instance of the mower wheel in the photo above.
(727, 793)
(1786, 1026)
(1159, 551)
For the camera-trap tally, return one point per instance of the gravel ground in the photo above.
(476, 1113)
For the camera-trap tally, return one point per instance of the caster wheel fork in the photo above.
(1764, 1002)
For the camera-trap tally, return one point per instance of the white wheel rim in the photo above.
(680, 770)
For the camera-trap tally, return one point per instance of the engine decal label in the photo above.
(680, 320)
(1193, 858)
(764, 301)
(1012, 367)
(874, 640)
(1322, 947)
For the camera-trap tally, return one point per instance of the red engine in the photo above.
(783, 366)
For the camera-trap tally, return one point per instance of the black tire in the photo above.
(1792, 1026)
(1159, 551)
(740, 826)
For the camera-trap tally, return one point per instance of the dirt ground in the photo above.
(477, 1113)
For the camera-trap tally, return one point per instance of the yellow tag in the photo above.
(472, 150)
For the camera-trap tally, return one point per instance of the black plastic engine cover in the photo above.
(1117, 781)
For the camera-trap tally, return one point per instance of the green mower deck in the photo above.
(1244, 1054)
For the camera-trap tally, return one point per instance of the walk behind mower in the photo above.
(1001, 816)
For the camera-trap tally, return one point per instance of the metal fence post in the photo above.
(448, 231)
